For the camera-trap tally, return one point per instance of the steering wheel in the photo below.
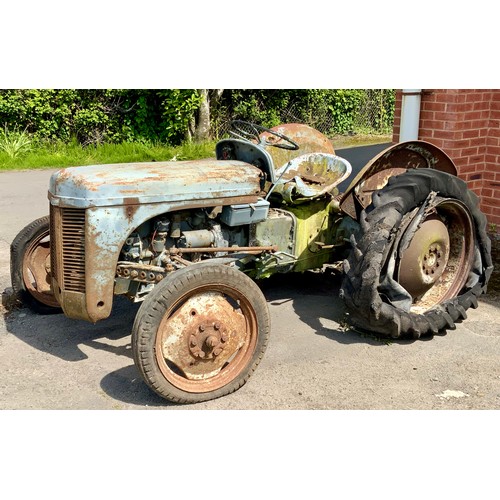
(251, 131)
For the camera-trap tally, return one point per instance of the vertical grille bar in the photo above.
(73, 249)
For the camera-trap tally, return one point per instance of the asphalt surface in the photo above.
(312, 361)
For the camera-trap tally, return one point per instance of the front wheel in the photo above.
(422, 259)
(200, 333)
(30, 267)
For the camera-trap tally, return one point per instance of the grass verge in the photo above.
(67, 155)
(350, 141)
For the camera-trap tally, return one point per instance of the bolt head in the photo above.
(212, 341)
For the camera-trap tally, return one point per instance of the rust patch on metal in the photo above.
(150, 172)
(210, 338)
(131, 205)
(81, 181)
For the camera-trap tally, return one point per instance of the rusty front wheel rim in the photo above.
(36, 270)
(449, 253)
(200, 352)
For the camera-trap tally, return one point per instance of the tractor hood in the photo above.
(118, 184)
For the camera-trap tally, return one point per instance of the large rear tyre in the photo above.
(200, 333)
(422, 258)
(30, 268)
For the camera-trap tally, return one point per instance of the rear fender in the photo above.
(392, 161)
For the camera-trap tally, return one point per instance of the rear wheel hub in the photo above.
(425, 259)
(438, 260)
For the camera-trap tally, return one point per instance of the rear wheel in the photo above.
(30, 267)
(422, 259)
(200, 333)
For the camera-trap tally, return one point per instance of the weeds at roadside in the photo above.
(15, 143)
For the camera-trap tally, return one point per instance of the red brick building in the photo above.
(466, 125)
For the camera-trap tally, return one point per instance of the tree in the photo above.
(200, 126)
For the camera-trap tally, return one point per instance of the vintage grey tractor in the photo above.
(191, 240)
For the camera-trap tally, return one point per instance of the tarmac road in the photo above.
(312, 362)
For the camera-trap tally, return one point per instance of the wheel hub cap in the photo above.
(203, 335)
(424, 261)
(208, 341)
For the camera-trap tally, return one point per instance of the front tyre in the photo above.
(200, 333)
(30, 267)
(422, 258)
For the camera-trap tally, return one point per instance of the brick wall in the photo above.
(466, 125)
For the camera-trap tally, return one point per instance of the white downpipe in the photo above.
(410, 115)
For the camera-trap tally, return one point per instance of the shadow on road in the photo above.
(315, 300)
(60, 336)
(126, 385)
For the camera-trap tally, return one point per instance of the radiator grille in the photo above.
(73, 249)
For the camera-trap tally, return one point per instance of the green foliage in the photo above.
(177, 110)
(15, 143)
(145, 116)
(331, 111)
(343, 105)
(257, 106)
(97, 116)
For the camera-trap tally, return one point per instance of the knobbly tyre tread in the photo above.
(17, 250)
(151, 312)
(379, 221)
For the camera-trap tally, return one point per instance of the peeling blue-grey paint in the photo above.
(104, 185)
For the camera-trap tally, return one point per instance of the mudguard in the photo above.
(392, 161)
